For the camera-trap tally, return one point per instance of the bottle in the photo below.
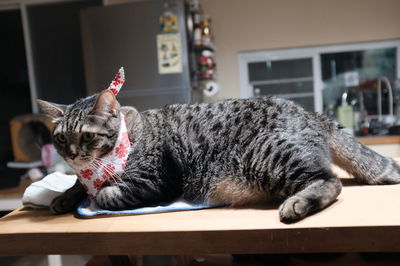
(206, 31)
(197, 31)
(345, 113)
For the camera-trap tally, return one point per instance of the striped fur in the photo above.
(234, 152)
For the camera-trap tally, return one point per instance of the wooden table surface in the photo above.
(363, 219)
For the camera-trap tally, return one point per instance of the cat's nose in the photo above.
(73, 151)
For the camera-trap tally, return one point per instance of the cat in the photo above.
(234, 152)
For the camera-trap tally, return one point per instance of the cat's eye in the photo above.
(87, 136)
(61, 138)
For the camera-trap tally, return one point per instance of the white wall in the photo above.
(245, 25)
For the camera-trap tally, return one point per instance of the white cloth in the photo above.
(41, 193)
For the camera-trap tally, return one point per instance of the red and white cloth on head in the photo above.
(108, 169)
(116, 84)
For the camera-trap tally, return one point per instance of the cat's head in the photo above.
(85, 131)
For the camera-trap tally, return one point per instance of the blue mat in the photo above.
(88, 208)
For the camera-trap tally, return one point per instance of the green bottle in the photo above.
(345, 113)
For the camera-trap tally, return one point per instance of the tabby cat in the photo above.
(233, 152)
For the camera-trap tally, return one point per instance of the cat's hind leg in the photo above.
(314, 195)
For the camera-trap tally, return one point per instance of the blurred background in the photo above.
(335, 57)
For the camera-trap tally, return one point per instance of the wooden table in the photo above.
(363, 219)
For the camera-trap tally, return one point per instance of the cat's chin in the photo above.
(77, 165)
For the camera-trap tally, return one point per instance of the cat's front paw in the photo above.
(109, 198)
(293, 209)
(64, 204)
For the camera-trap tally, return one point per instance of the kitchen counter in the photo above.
(379, 140)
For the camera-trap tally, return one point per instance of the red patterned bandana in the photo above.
(111, 166)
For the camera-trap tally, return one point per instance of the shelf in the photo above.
(291, 95)
(280, 81)
(199, 48)
(15, 192)
(11, 198)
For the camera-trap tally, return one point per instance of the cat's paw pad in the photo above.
(293, 209)
(63, 204)
(109, 198)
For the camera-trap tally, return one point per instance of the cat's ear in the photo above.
(132, 116)
(106, 104)
(52, 109)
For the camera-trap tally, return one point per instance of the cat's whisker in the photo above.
(106, 165)
(97, 165)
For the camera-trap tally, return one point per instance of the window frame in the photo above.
(314, 52)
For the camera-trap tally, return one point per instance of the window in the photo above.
(358, 73)
(318, 77)
(290, 78)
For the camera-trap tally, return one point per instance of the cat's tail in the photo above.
(360, 161)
